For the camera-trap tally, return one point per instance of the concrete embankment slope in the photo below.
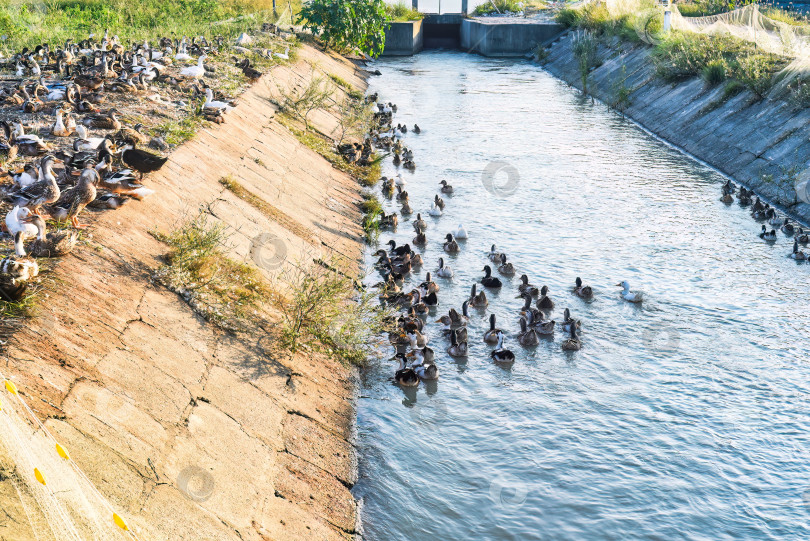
(763, 143)
(194, 434)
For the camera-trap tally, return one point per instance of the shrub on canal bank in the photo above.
(348, 26)
(680, 55)
(585, 47)
(403, 12)
(324, 309)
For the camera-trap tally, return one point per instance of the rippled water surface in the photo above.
(683, 418)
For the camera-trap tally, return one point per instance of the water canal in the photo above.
(682, 418)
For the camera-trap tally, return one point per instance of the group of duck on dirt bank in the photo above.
(64, 145)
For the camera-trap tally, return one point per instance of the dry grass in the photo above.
(225, 292)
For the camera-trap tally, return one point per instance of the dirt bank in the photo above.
(762, 143)
(192, 433)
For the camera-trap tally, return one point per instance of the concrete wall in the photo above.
(403, 38)
(139, 389)
(500, 38)
(742, 136)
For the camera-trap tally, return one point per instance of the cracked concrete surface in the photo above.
(142, 391)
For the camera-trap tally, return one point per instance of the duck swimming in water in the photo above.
(802, 237)
(572, 343)
(435, 211)
(528, 309)
(457, 348)
(450, 245)
(787, 228)
(405, 375)
(420, 239)
(426, 371)
(454, 320)
(630, 296)
(494, 255)
(797, 254)
(438, 201)
(766, 235)
(500, 354)
(461, 233)
(584, 292)
(490, 281)
(507, 269)
(478, 300)
(536, 320)
(491, 336)
(545, 302)
(569, 322)
(444, 271)
(446, 188)
(428, 286)
(527, 336)
(419, 223)
(526, 288)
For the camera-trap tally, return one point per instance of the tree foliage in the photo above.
(351, 26)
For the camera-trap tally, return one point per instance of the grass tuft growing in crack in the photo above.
(225, 292)
(324, 311)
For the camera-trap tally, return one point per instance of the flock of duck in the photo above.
(79, 153)
(396, 263)
(763, 212)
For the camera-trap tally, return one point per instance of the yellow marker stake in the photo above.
(39, 476)
(10, 387)
(61, 450)
(120, 522)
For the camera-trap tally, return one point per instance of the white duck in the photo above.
(196, 71)
(22, 224)
(435, 211)
(84, 142)
(210, 103)
(285, 55)
(59, 128)
(461, 233)
(182, 53)
(630, 296)
(20, 136)
(56, 94)
(400, 181)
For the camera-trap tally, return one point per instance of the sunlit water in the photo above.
(683, 418)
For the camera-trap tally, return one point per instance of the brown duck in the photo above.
(43, 192)
(73, 200)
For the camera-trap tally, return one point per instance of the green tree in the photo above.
(349, 26)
